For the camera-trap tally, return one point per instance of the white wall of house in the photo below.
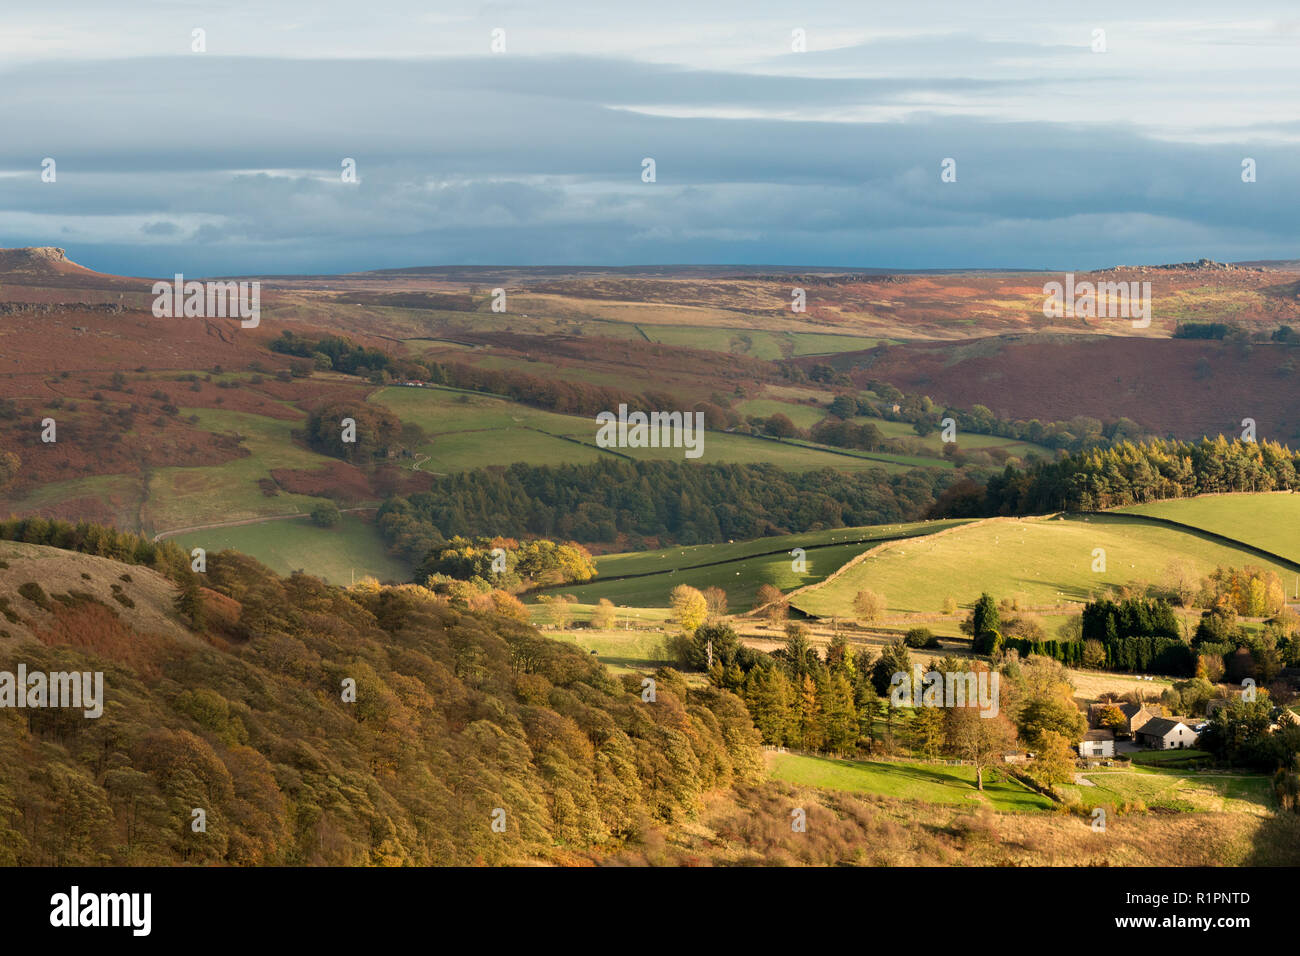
(1096, 748)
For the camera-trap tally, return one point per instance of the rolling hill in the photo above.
(1047, 561)
(1267, 521)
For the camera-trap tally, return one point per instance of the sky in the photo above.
(1082, 135)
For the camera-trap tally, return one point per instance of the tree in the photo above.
(1112, 718)
(984, 626)
(1054, 760)
(894, 659)
(190, 606)
(559, 613)
(808, 715)
(950, 605)
(798, 654)
(927, 731)
(780, 426)
(868, 606)
(1045, 715)
(1237, 728)
(690, 609)
(768, 695)
(716, 599)
(839, 716)
(326, 515)
(844, 406)
(9, 465)
(507, 605)
(772, 601)
(602, 618)
(1094, 653)
(713, 643)
(920, 637)
(977, 739)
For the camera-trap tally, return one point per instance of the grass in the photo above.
(803, 416)
(931, 783)
(621, 651)
(1046, 560)
(118, 494)
(966, 441)
(185, 497)
(1173, 791)
(334, 554)
(1268, 521)
(470, 431)
(738, 568)
(1157, 757)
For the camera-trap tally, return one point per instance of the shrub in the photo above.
(36, 594)
(920, 637)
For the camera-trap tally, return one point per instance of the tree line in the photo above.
(648, 502)
(1125, 474)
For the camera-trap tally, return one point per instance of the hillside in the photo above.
(646, 578)
(1186, 387)
(456, 716)
(1047, 561)
(1267, 521)
(140, 597)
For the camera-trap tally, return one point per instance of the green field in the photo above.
(966, 441)
(1171, 790)
(1268, 521)
(621, 651)
(1163, 757)
(468, 431)
(341, 554)
(929, 782)
(1046, 560)
(803, 416)
(738, 568)
(187, 497)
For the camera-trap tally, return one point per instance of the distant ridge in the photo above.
(37, 260)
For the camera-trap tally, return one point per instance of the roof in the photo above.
(1160, 726)
(1127, 708)
(1099, 735)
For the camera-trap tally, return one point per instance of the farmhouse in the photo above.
(1165, 733)
(1097, 743)
(1135, 717)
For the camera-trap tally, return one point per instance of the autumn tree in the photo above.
(558, 612)
(868, 606)
(716, 599)
(603, 617)
(1053, 761)
(1112, 718)
(690, 609)
(979, 740)
(772, 601)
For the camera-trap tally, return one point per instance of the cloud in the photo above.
(214, 164)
